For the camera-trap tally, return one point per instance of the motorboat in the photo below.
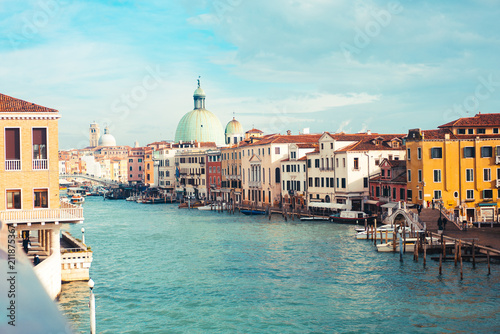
(351, 217)
(253, 212)
(77, 199)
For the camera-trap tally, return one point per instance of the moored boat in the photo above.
(77, 199)
(351, 217)
(253, 212)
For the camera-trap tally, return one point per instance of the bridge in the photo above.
(411, 218)
(106, 182)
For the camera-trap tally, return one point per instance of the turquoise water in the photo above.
(159, 269)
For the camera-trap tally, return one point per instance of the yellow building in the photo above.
(458, 164)
(29, 185)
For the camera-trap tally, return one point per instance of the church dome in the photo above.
(200, 124)
(233, 127)
(107, 139)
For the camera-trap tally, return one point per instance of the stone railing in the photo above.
(66, 213)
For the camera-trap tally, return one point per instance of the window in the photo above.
(401, 194)
(394, 193)
(481, 131)
(419, 175)
(409, 175)
(495, 130)
(140, 160)
(310, 182)
(469, 175)
(316, 181)
(437, 175)
(321, 145)
(130, 168)
(436, 153)
(308, 163)
(322, 182)
(409, 194)
(331, 145)
(469, 152)
(486, 174)
(277, 150)
(130, 160)
(419, 153)
(293, 155)
(437, 194)
(461, 131)
(377, 191)
(41, 198)
(487, 194)
(365, 182)
(356, 163)
(287, 168)
(12, 149)
(470, 194)
(343, 162)
(276, 176)
(316, 163)
(337, 162)
(470, 131)
(331, 183)
(383, 172)
(40, 144)
(486, 152)
(343, 183)
(408, 155)
(13, 199)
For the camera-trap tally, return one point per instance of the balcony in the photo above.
(497, 160)
(40, 164)
(255, 184)
(12, 165)
(67, 213)
(498, 183)
(233, 177)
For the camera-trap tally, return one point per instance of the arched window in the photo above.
(277, 177)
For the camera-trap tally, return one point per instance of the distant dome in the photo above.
(233, 127)
(107, 139)
(200, 124)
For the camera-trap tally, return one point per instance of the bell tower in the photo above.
(94, 134)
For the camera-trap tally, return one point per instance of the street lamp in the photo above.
(83, 235)
(92, 306)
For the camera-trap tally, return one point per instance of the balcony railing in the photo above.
(40, 164)
(255, 184)
(12, 164)
(67, 212)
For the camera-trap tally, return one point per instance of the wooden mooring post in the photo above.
(473, 255)
(461, 263)
(488, 256)
(425, 254)
(456, 252)
(440, 264)
(375, 232)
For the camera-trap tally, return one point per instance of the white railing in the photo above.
(255, 184)
(67, 212)
(12, 164)
(40, 164)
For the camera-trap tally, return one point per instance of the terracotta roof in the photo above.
(397, 163)
(254, 131)
(368, 143)
(308, 145)
(302, 159)
(478, 120)
(284, 139)
(440, 134)
(11, 104)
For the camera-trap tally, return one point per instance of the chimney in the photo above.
(288, 132)
(368, 132)
(305, 131)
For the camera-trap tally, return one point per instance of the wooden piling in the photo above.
(404, 240)
(386, 235)
(375, 232)
(488, 257)
(440, 264)
(473, 255)
(456, 252)
(425, 254)
(443, 247)
(461, 264)
(394, 239)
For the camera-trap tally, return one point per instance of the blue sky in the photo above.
(279, 65)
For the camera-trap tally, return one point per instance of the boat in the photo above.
(77, 199)
(192, 205)
(214, 207)
(351, 217)
(253, 212)
(409, 245)
(313, 218)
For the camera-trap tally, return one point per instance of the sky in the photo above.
(326, 65)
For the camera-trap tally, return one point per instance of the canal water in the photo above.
(160, 269)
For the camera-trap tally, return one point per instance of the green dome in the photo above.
(233, 127)
(200, 125)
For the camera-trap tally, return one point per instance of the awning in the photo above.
(390, 205)
(487, 204)
(336, 206)
(370, 201)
